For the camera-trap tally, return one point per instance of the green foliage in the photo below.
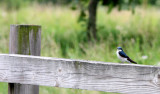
(111, 4)
(15, 4)
(121, 4)
(82, 16)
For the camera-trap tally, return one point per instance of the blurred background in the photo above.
(87, 29)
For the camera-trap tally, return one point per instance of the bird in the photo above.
(123, 57)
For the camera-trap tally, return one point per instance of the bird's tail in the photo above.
(131, 60)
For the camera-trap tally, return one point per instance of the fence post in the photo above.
(26, 40)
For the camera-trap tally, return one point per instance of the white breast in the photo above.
(121, 58)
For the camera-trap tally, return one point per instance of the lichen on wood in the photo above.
(24, 33)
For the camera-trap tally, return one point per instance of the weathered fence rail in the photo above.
(79, 74)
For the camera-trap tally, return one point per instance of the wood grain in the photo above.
(79, 74)
(24, 39)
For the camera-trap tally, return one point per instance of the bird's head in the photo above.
(119, 48)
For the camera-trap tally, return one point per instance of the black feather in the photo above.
(122, 54)
(131, 60)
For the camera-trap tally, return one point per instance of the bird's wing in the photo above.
(122, 54)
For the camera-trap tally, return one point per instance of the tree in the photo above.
(92, 11)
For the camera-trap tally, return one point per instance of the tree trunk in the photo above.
(92, 8)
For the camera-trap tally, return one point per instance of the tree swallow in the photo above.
(123, 57)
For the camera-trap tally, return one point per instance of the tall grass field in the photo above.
(63, 37)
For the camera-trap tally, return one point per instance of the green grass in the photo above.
(63, 37)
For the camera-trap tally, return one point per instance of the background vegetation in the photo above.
(64, 37)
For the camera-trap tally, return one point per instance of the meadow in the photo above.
(63, 37)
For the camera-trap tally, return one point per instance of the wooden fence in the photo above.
(31, 71)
